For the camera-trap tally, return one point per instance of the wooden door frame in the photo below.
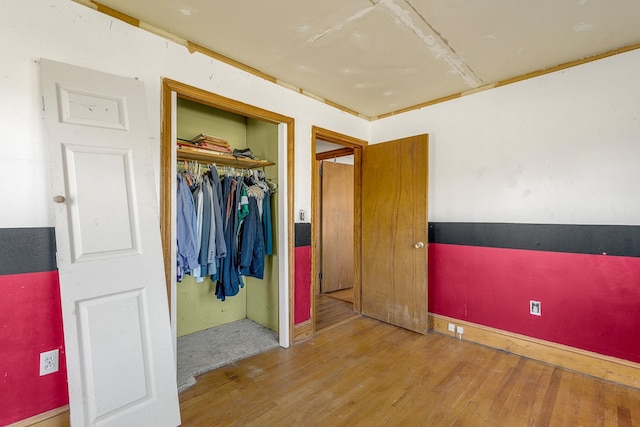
(184, 91)
(350, 145)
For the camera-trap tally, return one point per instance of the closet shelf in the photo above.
(207, 156)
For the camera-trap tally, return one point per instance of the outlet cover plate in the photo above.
(49, 362)
(535, 308)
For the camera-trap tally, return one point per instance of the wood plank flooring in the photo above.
(367, 373)
(331, 311)
(342, 295)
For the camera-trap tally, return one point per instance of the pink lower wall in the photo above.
(302, 284)
(30, 323)
(591, 302)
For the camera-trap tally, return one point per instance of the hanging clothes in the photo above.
(205, 253)
(266, 223)
(224, 226)
(252, 243)
(199, 208)
(230, 280)
(221, 246)
(186, 229)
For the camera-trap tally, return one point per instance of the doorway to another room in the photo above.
(334, 296)
(390, 261)
(335, 238)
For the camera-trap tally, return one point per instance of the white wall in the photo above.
(65, 31)
(560, 148)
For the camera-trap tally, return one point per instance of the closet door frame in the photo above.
(171, 90)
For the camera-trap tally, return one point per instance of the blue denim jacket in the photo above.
(252, 243)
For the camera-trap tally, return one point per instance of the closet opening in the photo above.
(231, 299)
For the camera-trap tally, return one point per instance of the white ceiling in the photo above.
(379, 56)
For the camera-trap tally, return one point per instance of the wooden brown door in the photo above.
(337, 226)
(394, 232)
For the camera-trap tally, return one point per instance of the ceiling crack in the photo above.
(337, 27)
(434, 42)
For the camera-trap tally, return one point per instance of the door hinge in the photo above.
(43, 109)
(320, 276)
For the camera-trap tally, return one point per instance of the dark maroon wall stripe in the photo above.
(303, 234)
(27, 250)
(617, 240)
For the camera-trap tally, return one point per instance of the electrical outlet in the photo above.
(452, 327)
(459, 330)
(535, 308)
(49, 362)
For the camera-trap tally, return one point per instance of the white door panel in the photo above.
(107, 225)
(104, 370)
(120, 361)
(92, 108)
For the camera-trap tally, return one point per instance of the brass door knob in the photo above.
(419, 245)
(59, 199)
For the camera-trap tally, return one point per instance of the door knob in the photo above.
(59, 199)
(419, 245)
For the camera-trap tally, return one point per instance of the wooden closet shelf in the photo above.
(207, 156)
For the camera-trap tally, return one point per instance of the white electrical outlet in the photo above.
(49, 362)
(459, 330)
(452, 327)
(535, 308)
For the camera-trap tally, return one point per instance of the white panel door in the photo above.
(119, 352)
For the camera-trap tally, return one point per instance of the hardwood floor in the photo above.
(331, 311)
(342, 295)
(367, 373)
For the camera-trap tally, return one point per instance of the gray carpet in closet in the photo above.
(207, 350)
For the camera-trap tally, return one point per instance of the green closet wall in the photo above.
(197, 306)
(262, 295)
